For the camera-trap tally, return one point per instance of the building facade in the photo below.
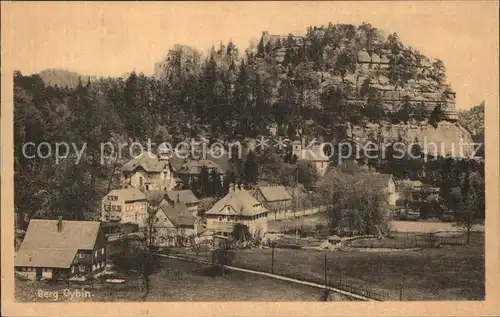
(125, 205)
(149, 172)
(314, 155)
(174, 225)
(274, 198)
(238, 206)
(62, 249)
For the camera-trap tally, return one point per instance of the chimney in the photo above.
(59, 224)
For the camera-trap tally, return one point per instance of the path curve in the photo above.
(275, 276)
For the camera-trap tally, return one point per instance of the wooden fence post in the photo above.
(272, 257)
(402, 286)
(326, 272)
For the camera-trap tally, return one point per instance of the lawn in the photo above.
(452, 272)
(179, 280)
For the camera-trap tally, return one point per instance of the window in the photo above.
(102, 251)
(80, 255)
(220, 218)
(72, 269)
(82, 268)
(95, 253)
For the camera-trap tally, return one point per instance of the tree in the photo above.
(215, 187)
(251, 168)
(354, 201)
(472, 202)
(307, 174)
(130, 255)
(261, 48)
(241, 233)
(204, 183)
(438, 71)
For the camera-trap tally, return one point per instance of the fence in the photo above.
(267, 262)
(447, 273)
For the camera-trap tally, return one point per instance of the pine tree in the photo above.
(261, 48)
(251, 168)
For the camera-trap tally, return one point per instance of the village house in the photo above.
(61, 249)
(190, 171)
(149, 172)
(408, 191)
(314, 155)
(125, 205)
(275, 198)
(186, 197)
(238, 206)
(174, 224)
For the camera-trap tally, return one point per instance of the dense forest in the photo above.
(229, 94)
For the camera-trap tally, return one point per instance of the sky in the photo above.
(111, 39)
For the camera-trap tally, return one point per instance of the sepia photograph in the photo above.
(265, 152)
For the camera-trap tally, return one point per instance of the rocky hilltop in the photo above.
(405, 91)
(63, 78)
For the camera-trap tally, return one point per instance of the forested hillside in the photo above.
(335, 82)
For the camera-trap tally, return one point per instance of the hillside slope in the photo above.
(63, 78)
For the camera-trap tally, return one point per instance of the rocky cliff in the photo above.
(372, 70)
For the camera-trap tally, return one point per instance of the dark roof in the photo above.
(148, 161)
(222, 161)
(178, 214)
(185, 196)
(194, 167)
(274, 193)
(155, 197)
(44, 246)
(177, 162)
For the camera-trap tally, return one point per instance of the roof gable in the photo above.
(274, 193)
(44, 245)
(45, 258)
(178, 214)
(148, 161)
(186, 196)
(43, 234)
(240, 201)
(127, 194)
